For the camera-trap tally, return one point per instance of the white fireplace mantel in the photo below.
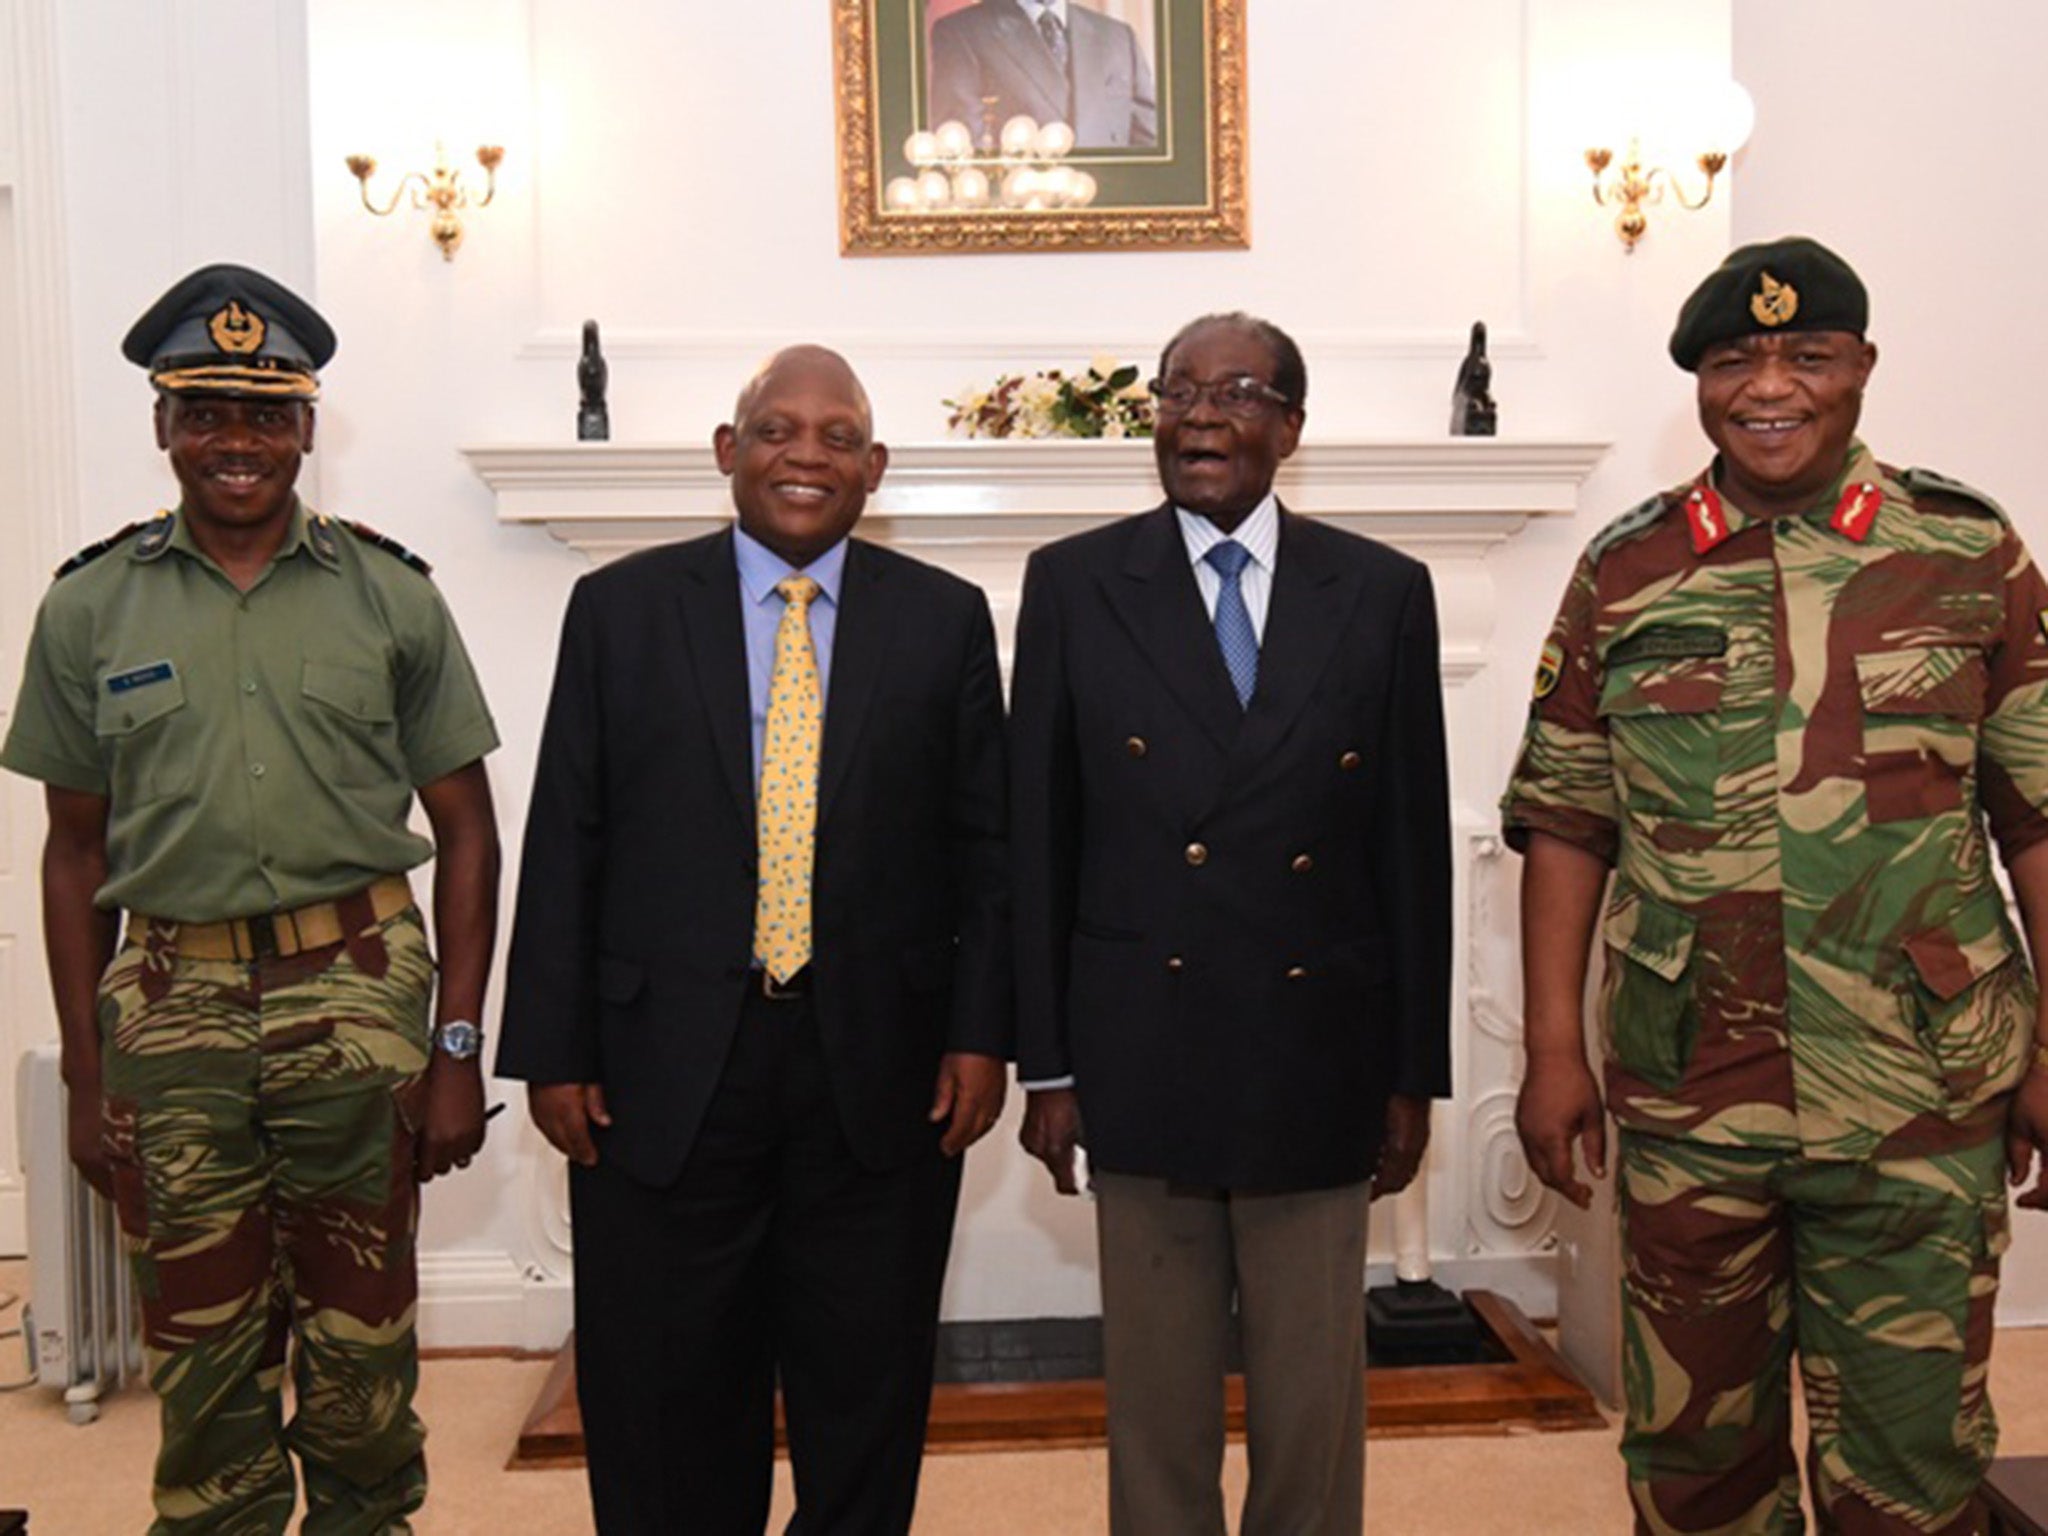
(979, 508)
(1436, 497)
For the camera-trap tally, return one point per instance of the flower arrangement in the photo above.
(1105, 401)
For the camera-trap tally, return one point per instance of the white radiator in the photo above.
(81, 1323)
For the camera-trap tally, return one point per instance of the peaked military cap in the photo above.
(1794, 284)
(227, 330)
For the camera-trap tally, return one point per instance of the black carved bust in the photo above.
(593, 416)
(1473, 413)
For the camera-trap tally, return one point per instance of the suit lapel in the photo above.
(1027, 50)
(1312, 594)
(710, 600)
(1155, 596)
(860, 641)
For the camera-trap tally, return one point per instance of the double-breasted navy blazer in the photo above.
(634, 933)
(1233, 925)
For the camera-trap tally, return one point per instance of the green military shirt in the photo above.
(259, 749)
(1789, 736)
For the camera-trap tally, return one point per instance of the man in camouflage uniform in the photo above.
(1783, 702)
(231, 708)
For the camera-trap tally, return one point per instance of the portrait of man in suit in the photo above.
(1231, 833)
(760, 983)
(1053, 60)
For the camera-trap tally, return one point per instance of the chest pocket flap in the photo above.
(1925, 680)
(1660, 697)
(357, 692)
(127, 709)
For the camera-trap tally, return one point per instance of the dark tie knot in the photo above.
(797, 590)
(1230, 558)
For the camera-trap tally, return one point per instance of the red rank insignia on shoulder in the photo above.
(1856, 513)
(1707, 519)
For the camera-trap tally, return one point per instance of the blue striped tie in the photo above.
(1233, 620)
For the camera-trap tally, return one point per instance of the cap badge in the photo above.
(1774, 303)
(235, 329)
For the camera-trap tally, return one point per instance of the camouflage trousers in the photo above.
(1881, 1275)
(260, 1122)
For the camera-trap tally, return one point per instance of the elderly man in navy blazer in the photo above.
(1231, 833)
(1054, 60)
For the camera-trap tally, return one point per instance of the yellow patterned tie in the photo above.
(788, 801)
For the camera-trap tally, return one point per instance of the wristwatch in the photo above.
(458, 1039)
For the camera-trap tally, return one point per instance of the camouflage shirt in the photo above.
(1788, 737)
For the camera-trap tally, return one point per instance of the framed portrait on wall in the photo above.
(1040, 125)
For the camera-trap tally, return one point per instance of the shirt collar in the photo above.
(1259, 533)
(180, 538)
(1034, 8)
(1859, 468)
(761, 568)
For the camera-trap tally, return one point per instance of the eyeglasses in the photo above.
(1240, 396)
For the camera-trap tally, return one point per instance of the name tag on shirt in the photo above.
(140, 677)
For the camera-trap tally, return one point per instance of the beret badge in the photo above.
(1774, 303)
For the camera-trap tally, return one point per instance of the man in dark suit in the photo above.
(759, 980)
(1054, 60)
(1231, 829)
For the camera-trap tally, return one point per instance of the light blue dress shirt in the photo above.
(761, 608)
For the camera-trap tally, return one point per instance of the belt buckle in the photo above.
(778, 992)
(262, 936)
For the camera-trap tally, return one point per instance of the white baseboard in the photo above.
(489, 1301)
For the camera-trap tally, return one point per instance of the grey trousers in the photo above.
(1172, 1257)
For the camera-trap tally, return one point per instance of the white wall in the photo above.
(1912, 153)
(669, 170)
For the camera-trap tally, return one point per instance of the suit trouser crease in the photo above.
(1172, 1260)
(775, 1253)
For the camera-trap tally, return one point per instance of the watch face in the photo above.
(460, 1039)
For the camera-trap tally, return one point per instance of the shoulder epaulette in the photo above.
(1637, 519)
(1917, 480)
(389, 545)
(92, 552)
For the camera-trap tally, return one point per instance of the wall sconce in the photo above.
(442, 191)
(1721, 118)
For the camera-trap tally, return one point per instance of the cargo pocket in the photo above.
(1653, 1019)
(1972, 1007)
(1663, 717)
(1920, 709)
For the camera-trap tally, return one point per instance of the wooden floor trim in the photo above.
(1532, 1389)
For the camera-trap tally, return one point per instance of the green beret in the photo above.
(227, 330)
(1794, 284)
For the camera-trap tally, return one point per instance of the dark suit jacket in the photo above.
(636, 892)
(1233, 926)
(993, 49)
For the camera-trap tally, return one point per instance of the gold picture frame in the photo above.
(1185, 190)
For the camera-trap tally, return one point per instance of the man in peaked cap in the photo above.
(231, 708)
(1783, 703)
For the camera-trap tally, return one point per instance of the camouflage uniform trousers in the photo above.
(1882, 1274)
(260, 1123)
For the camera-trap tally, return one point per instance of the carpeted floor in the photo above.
(93, 1480)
